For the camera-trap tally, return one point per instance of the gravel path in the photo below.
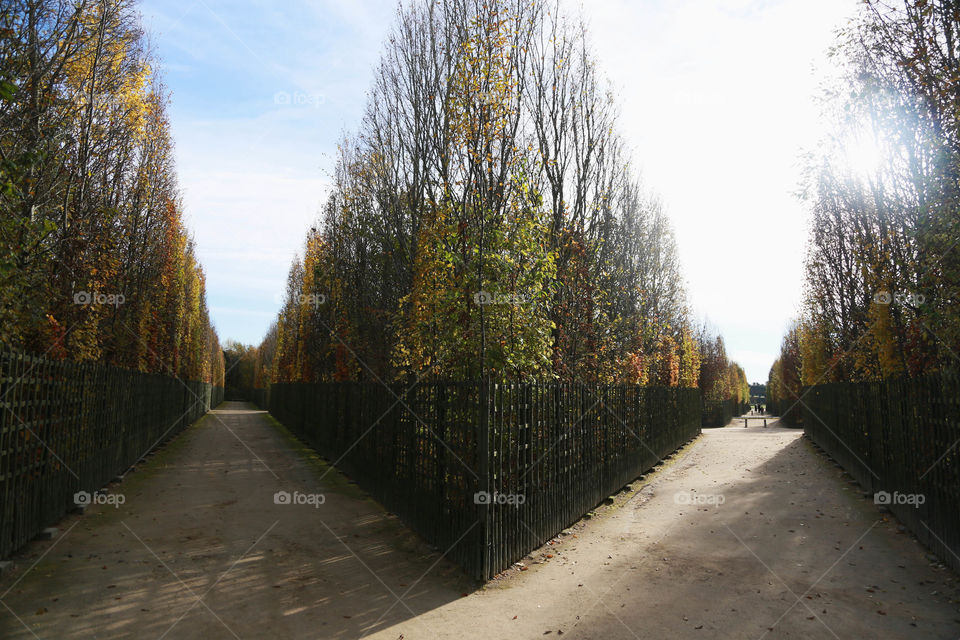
(746, 533)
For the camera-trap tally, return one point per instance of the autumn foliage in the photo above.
(485, 220)
(883, 266)
(95, 263)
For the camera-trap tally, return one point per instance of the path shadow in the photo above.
(201, 549)
(793, 527)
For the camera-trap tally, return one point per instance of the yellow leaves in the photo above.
(813, 355)
(884, 342)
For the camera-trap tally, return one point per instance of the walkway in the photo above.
(748, 533)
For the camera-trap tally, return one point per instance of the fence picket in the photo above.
(898, 437)
(545, 453)
(67, 427)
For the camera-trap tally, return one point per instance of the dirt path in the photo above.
(199, 549)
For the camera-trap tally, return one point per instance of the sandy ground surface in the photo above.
(746, 533)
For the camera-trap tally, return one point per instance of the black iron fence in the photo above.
(67, 427)
(486, 472)
(788, 410)
(899, 440)
(719, 413)
(261, 397)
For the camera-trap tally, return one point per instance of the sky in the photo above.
(717, 101)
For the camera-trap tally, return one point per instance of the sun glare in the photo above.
(864, 154)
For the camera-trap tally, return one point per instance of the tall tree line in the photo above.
(485, 220)
(95, 262)
(721, 378)
(883, 262)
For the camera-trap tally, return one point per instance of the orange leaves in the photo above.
(56, 336)
(105, 199)
(665, 365)
(635, 369)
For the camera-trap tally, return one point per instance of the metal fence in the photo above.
(487, 472)
(261, 397)
(789, 411)
(719, 413)
(898, 439)
(67, 427)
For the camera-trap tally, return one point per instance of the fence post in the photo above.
(483, 482)
(441, 467)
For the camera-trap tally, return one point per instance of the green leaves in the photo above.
(7, 90)
(88, 199)
(484, 219)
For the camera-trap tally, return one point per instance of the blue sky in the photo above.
(717, 101)
(254, 169)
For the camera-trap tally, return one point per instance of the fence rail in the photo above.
(67, 427)
(898, 439)
(486, 472)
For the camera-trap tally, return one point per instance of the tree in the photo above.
(485, 219)
(881, 273)
(94, 261)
